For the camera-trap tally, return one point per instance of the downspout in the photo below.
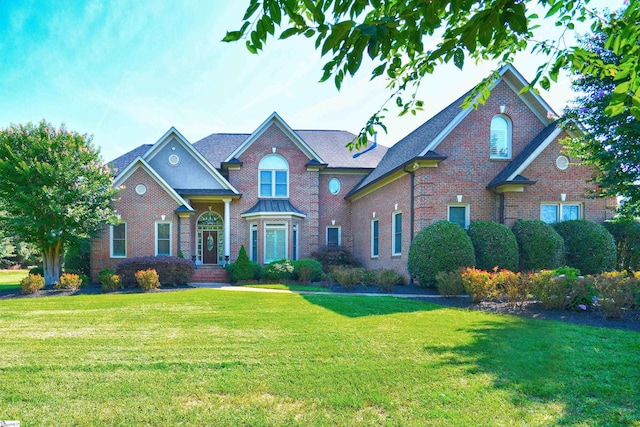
(501, 213)
(179, 234)
(411, 209)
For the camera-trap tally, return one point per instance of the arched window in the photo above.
(273, 177)
(500, 138)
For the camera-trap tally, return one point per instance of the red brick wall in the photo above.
(140, 213)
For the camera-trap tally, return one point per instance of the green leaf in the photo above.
(289, 32)
(232, 36)
(458, 58)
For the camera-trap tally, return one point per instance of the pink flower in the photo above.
(550, 115)
(583, 307)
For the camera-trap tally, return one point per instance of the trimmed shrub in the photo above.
(69, 281)
(147, 279)
(171, 270)
(32, 284)
(77, 257)
(495, 245)
(616, 292)
(626, 233)
(86, 280)
(307, 270)
(37, 270)
(243, 268)
(278, 270)
(335, 256)
(348, 277)
(478, 284)
(386, 279)
(539, 245)
(442, 246)
(109, 280)
(511, 287)
(561, 292)
(450, 284)
(589, 247)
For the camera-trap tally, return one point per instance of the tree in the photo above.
(611, 143)
(54, 189)
(395, 34)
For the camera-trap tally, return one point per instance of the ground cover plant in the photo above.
(209, 357)
(10, 279)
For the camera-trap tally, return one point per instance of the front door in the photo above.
(209, 247)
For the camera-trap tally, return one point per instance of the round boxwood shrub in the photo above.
(626, 233)
(307, 270)
(442, 246)
(278, 270)
(494, 245)
(589, 247)
(539, 245)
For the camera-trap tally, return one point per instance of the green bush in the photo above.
(171, 270)
(331, 256)
(386, 279)
(442, 246)
(77, 257)
(348, 277)
(616, 293)
(32, 284)
(307, 270)
(589, 247)
(561, 292)
(278, 270)
(109, 280)
(147, 279)
(450, 284)
(495, 245)
(626, 233)
(539, 245)
(243, 268)
(37, 270)
(69, 281)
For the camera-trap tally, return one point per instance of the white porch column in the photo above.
(227, 229)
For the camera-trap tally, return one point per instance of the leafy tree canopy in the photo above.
(611, 143)
(54, 189)
(395, 35)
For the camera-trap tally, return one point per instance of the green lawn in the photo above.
(291, 287)
(10, 279)
(209, 357)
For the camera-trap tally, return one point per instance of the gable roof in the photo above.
(120, 163)
(141, 163)
(514, 168)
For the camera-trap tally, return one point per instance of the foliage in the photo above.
(626, 233)
(16, 253)
(450, 284)
(243, 268)
(442, 246)
(386, 279)
(69, 281)
(561, 292)
(566, 271)
(85, 280)
(77, 256)
(147, 279)
(335, 255)
(172, 270)
(54, 189)
(589, 247)
(307, 270)
(348, 277)
(610, 142)
(37, 270)
(278, 270)
(539, 245)
(407, 39)
(616, 292)
(32, 284)
(478, 284)
(495, 245)
(109, 280)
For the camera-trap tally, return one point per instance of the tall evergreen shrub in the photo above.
(495, 245)
(539, 245)
(589, 247)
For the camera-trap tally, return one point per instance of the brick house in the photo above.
(284, 194)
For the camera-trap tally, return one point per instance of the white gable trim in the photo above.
(141, 163)
(446, 131)
(535, 154)
(164, 140)
(274, 118)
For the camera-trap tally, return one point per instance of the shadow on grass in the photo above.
(359, 306)
(591, 373)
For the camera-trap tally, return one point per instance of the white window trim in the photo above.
(280, 226)
(394, 215)
(467, 212)
(559, 206)
(377, 222)
(170, 237)
(509, 138)
(252, 228)
(326, 234)
(273, 180)
(125, 241)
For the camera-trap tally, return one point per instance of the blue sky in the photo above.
(126, 71)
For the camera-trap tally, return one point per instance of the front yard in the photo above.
(208, 357)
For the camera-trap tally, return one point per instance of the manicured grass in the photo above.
(209, 357)
(292, 287)
(10, 279)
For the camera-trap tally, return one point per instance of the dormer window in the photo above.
(273, 176)
(500, 138)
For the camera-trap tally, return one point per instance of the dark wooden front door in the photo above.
(209, 247)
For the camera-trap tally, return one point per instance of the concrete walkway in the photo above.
(228, 287)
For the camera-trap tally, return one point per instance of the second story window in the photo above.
(500, 138)
(273, 177)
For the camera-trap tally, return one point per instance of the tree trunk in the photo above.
(52, 263)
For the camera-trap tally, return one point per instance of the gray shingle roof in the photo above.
(123, 161)
(526, 152)
(413, 144)
(273, 206)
